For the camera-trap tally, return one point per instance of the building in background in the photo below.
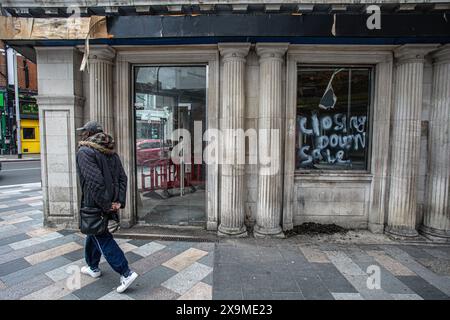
(27, 75)
(362, 112)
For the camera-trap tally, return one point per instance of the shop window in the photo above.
(28, 133)
(333, 106)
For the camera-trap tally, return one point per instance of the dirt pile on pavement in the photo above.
(312, 228)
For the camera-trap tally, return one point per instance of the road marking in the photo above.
(21, 169)
(24, 185)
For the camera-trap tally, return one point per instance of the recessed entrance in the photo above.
(170, 104)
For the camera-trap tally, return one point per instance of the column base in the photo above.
(401, 231)
(259, 232)
(232, 232)
(376, 228)
(435, 234)
(211, 226)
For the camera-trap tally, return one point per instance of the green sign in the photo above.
(29, 108)
(2, 100)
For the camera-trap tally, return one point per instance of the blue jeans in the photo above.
(106, 245)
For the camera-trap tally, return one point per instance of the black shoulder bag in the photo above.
(94, 221)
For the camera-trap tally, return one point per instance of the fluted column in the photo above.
(269, 203)
(101, 86)
(436, 223)
(406, 128)
(232, 211)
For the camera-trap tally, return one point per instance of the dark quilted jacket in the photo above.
(101, 174)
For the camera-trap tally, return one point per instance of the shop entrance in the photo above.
(170, 104)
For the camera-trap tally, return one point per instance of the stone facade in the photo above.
(255, 87)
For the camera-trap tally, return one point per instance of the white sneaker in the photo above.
(87, 270)
(126, 282)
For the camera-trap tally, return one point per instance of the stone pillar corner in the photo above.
(408, 52)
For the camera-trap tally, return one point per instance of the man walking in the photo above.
(103, 183)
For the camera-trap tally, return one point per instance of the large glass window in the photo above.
(333, 106)
(167, 98)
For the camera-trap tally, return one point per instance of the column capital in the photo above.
(234, 50)
(271, 50)
(413, 52)
(101, 53)
(442, 54)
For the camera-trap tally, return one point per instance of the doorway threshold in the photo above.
(170, 233)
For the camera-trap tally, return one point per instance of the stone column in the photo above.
(270, 196)
(124, 128)
(232, 210)
(406, 128)
(436, 223)
(60, 103)
(101, 86)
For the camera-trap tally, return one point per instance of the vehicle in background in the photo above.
(150, 149)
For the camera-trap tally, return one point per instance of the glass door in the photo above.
(170, 105)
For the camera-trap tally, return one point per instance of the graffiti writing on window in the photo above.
(331, 138)
(332, 118)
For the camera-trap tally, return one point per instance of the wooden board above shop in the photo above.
(14, 28)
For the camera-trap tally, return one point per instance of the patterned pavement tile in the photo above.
(98, 287)
(52, 253)
(59, 289)
(356, 276)
(207, 260)
(185, 259)
(439, 282)
(148, 249)
(388, 282)
(12, 266)
(41, 232)
(5, 228)
(25, 214)
(62, 272)
(35, 240)
(406, 296)
(39, 263)
(12, 239)
(74, 255)
(201, 291)
(333, 280)
(70, 296)
(127, 247)
(360, 283)
(25, 288)
(113, 295)
(15, 221)
(395, 267)
(347, 296)
(423, 288)
(5, 249)
(145, 284)
(208, 279)
(187, 278)
(29, 273)
(148, 263)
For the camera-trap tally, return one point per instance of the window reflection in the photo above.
(168, 98)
